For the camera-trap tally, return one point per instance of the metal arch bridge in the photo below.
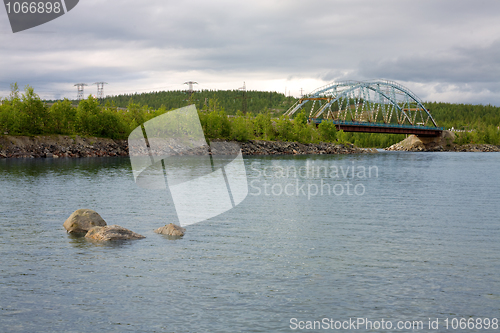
(376, 107)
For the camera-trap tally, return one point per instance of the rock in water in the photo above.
(171, 230)
(112, 232)
(82, 220)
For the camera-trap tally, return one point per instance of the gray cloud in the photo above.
(465, 64)
(444, 49)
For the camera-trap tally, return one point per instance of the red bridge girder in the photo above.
(389, 130)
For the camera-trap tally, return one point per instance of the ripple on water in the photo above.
(423, 241)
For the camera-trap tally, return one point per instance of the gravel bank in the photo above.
(55, 146)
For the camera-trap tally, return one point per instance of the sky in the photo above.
(445, 51)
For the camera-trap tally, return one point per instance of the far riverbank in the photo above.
(446, 142)
(55, 146)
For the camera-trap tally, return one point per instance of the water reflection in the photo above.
(79, 241)
(40, 167)
(423, 241)
(171, 238)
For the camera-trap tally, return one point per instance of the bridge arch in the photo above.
(377, 101)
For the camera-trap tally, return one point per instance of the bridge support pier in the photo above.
(442, 142)
(443, 137)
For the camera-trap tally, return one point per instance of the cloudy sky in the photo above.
(442, 50)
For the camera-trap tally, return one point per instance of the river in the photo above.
(370, 239)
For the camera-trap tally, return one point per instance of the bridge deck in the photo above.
(348, 126)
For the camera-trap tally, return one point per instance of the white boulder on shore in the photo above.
(416, 143)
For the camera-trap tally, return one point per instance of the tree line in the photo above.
(478, 123)
(24, 113)
(231, 101)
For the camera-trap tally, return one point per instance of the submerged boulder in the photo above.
(112, 232)
(171, 230)
(82, 220)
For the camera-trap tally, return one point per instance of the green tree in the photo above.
(327, 131)
(34, 112)
(284, 129)
(342, 136)
(113, 126)
(62, 117)
(214, 121)
(88, 116)
(263, 126)
(241, 127)
(10, 112)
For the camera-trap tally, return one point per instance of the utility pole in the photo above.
(100, 90)
(79, 87)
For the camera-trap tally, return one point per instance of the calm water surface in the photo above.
(418, 239)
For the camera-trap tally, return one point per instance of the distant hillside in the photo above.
(229, 100)
(464, 116)
(26, 114)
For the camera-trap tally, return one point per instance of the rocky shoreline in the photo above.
(258, 147)
(442, 143)
(56, 146)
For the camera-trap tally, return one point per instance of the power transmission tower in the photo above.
(79, 87)
(244, 98)
(100, 90)
(190, 88)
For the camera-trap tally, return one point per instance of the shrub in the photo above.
(327, 131)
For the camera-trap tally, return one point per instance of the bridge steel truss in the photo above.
(378, 101)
